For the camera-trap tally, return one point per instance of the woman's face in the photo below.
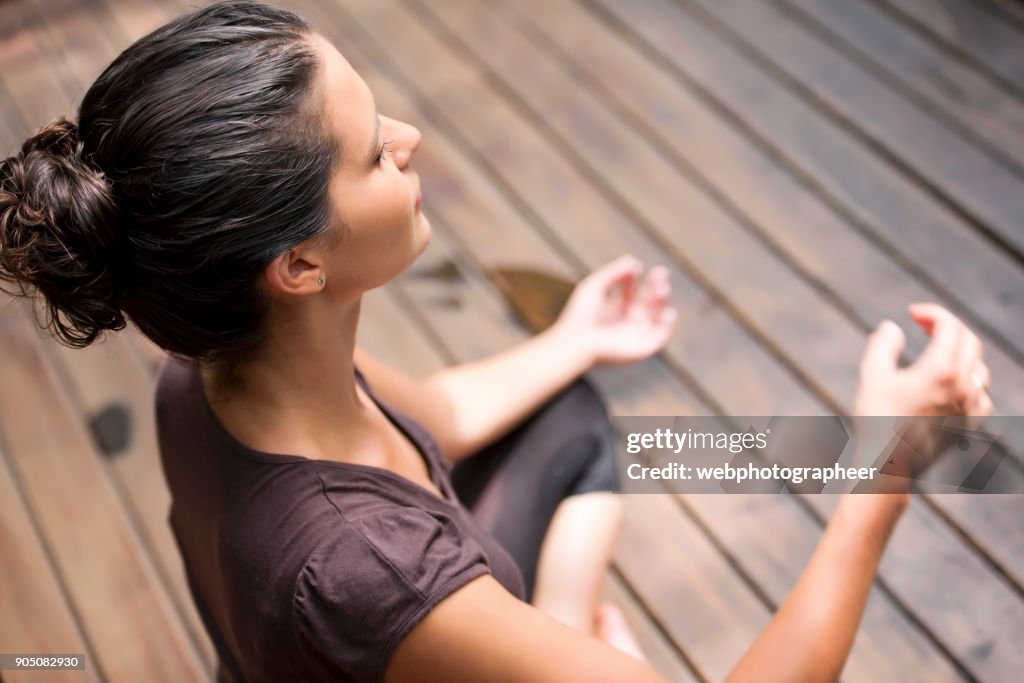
(375, 194)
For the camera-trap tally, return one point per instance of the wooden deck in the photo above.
(804, 167)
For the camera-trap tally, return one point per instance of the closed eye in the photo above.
(385, 150)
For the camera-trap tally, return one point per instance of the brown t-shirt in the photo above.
(310, 570)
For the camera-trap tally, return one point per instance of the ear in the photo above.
(295, 273)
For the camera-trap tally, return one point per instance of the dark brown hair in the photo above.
(197, 159)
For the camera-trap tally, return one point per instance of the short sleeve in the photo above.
(362, 590)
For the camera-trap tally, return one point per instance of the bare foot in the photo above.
(611, 627)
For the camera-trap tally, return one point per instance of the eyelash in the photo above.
(385, 149)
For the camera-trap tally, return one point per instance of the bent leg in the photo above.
(575, 555)
(546, 491)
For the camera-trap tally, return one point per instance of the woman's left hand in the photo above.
(614, 317)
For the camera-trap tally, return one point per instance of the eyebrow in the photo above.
(376, 133)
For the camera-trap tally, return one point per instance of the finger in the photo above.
(655, 291)
(883, 349)
(669, 318)
(946, 332)
(970, 354)
(982, 376)
(983, 405)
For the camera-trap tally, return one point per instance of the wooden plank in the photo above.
(970, 32)
(109, 579)
(993, 522)
(35, 618)
(700, 602)
(150, 354)
(12, 132)
(658, 650)
(558, 198)
(125, 21)
(933, 153)
(390, 334)
(812, 236)
(868, 278)
(25, 70)
(888, 646)
(973, 611)
(983, 109)
(113, 393)
(72, 36)
(925, 237)
(762, 290)
(1009, 11)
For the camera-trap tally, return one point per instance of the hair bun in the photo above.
(59, 234)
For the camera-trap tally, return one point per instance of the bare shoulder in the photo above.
(483, 633)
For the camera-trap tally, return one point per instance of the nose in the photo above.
(406, 139)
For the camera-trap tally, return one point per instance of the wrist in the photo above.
(877, 511)
(570, 346)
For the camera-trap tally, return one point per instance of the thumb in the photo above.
(883, 349)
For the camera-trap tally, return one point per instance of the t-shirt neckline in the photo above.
(285, 459)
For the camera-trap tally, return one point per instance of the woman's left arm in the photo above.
(611, 317)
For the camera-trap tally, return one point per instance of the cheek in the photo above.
(395, 209)
(380, 209)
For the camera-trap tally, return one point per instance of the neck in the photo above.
(301, 383)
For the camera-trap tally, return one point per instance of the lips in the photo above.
(419, 200)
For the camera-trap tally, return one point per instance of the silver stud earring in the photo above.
(320, 282)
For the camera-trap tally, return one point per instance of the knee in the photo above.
(600, 473)
(581, 403)
(587, 422)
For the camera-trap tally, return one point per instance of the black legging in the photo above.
(513, 486)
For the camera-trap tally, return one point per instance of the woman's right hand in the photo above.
(949, 378)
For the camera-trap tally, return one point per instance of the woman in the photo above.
(231, 189)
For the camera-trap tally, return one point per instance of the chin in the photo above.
(420, 240)
(423, 233)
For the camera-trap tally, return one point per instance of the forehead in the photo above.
(349, 110)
